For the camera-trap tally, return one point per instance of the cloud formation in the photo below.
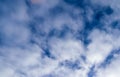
(59, 38)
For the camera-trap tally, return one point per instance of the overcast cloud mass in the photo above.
(59, 38)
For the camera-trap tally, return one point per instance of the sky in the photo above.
(59, 38)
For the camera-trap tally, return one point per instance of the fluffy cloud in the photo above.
(102, 44)
(111, 70)
(66, 49)
(42, 38)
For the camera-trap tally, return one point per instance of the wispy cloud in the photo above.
(59, 38)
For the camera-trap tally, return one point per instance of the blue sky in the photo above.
(59, 38)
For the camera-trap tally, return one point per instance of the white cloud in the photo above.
(66, 48)
(20, 55)
(102, 44)
(6, 72)
(112, 70)
(19, 59)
